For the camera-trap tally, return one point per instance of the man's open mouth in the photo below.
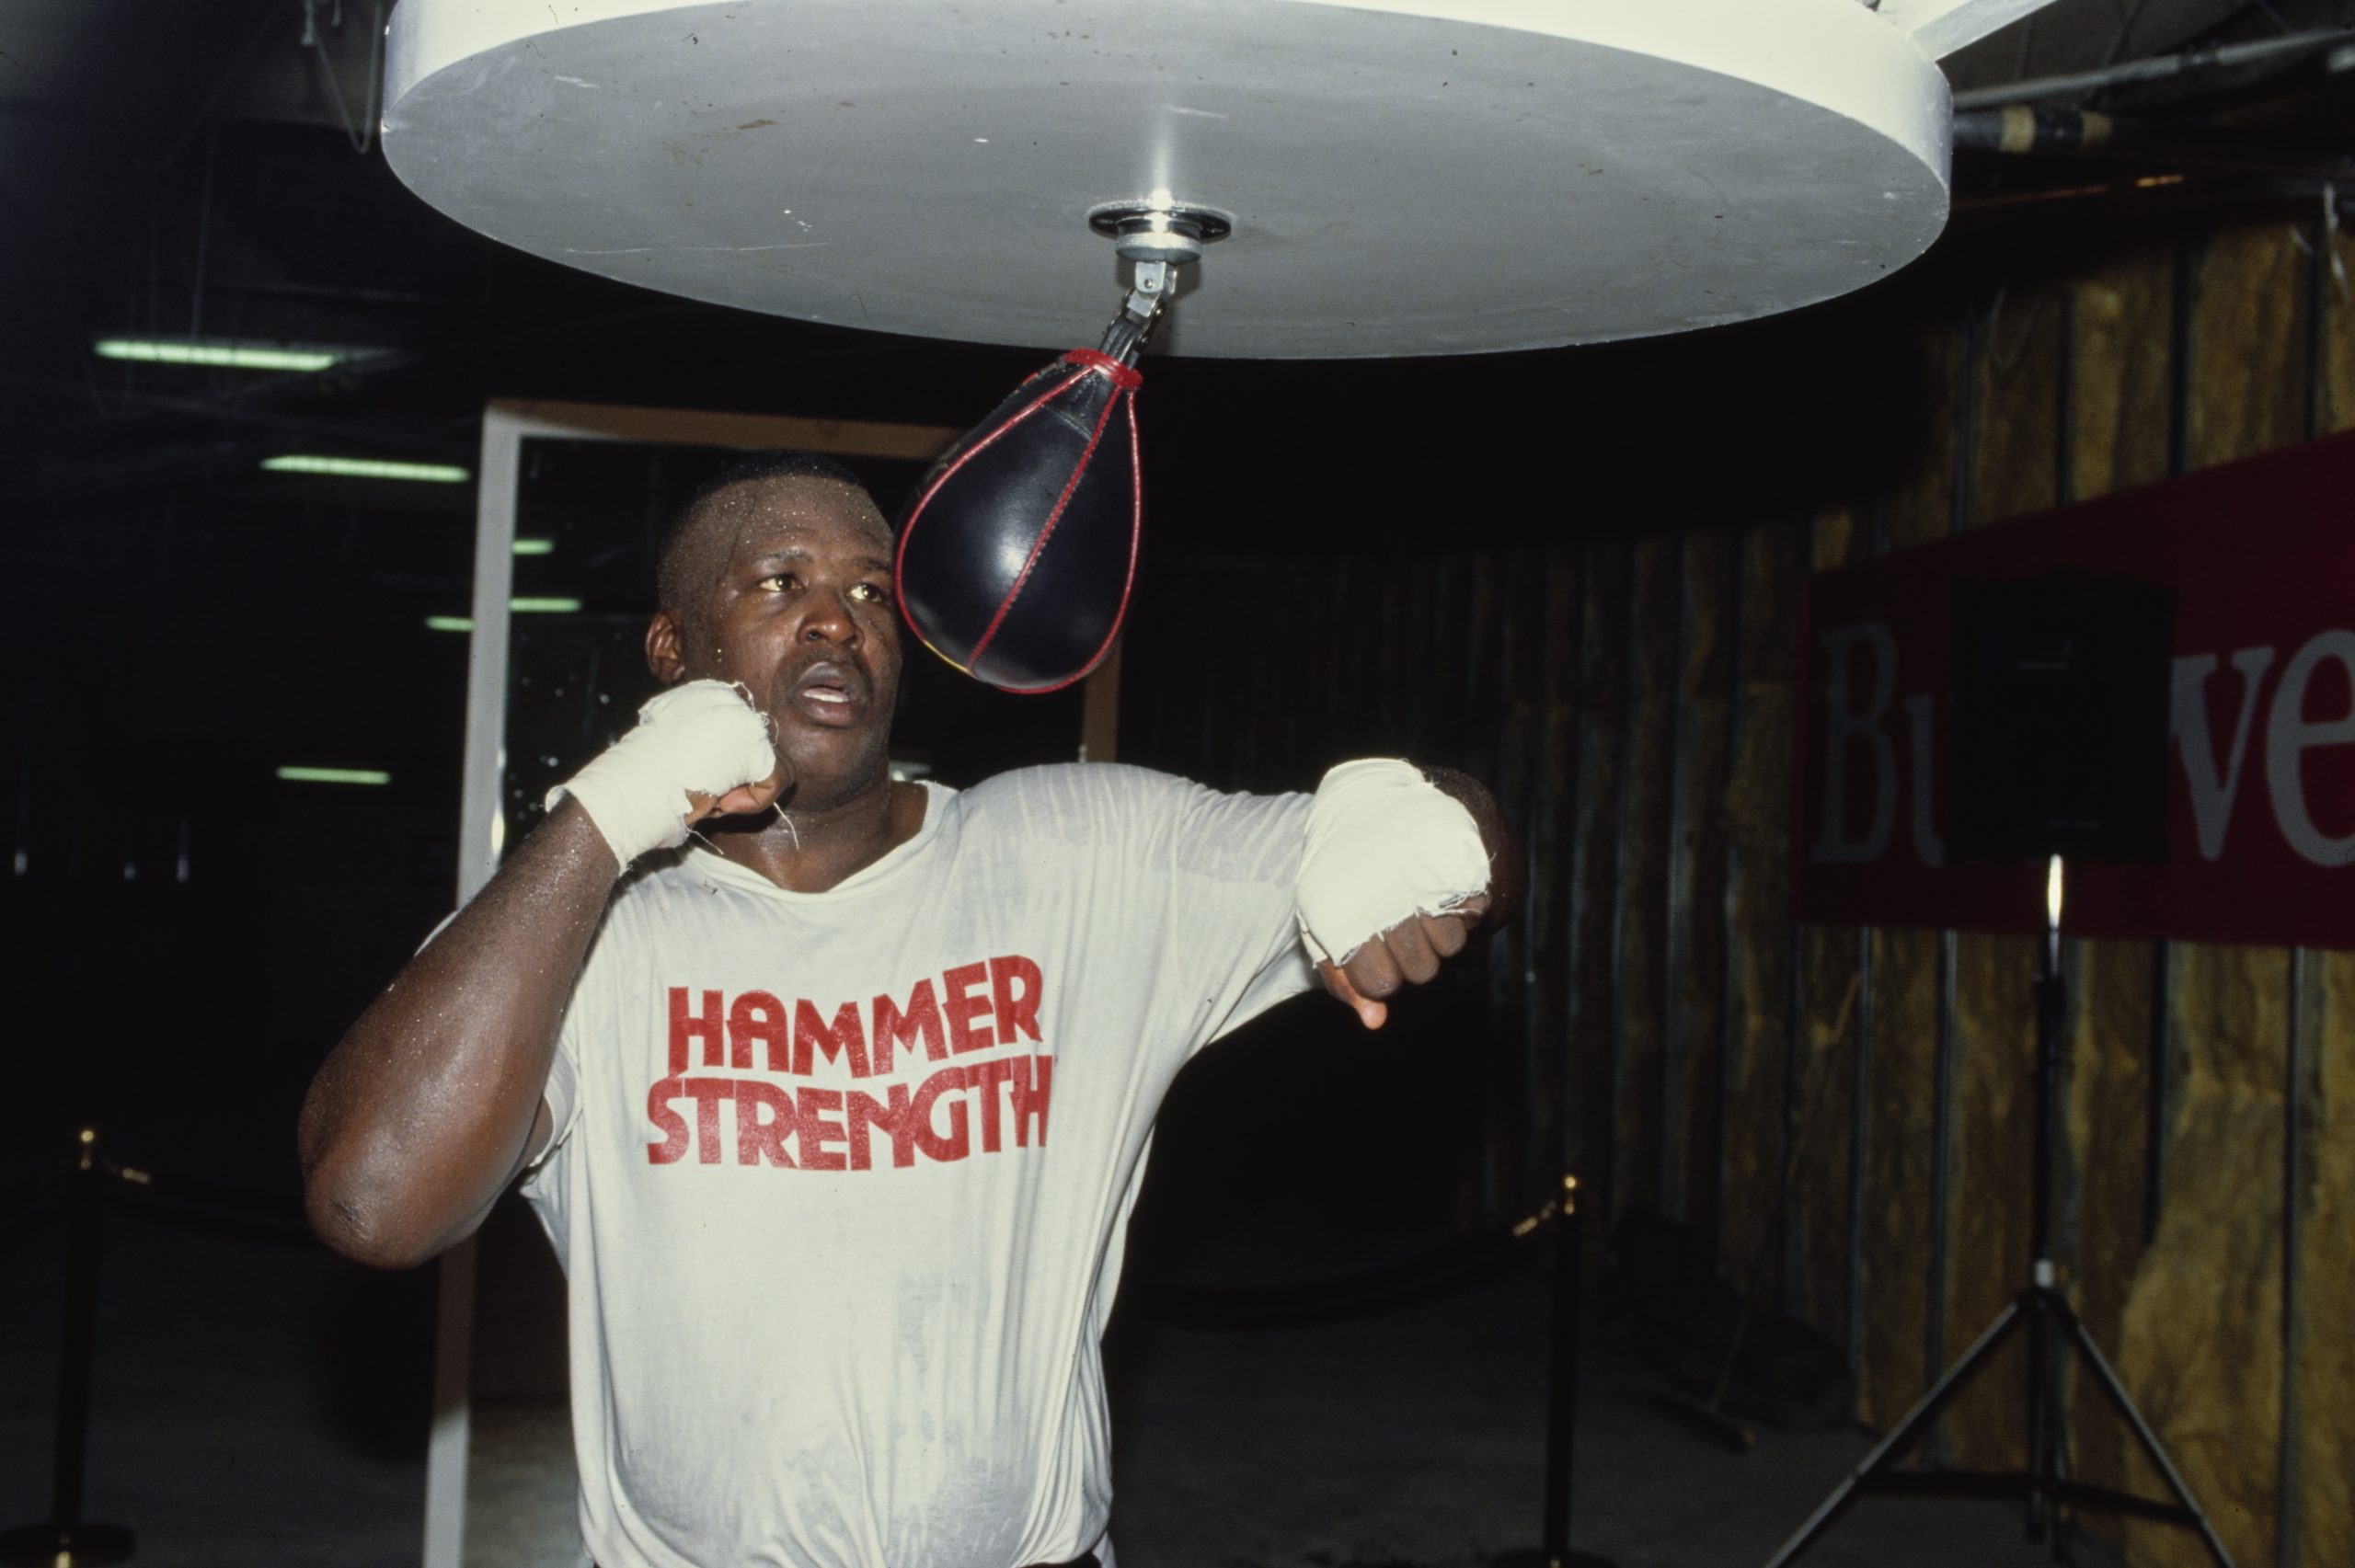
(830, 693)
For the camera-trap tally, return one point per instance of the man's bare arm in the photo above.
(432, 1102)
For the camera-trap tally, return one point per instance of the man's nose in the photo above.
(829, 619)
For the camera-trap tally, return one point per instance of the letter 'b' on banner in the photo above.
(1015, 559)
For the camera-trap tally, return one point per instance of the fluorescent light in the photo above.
(220, 353)
(535, 546)
(367, 468)
(335, 775)
(522, 606)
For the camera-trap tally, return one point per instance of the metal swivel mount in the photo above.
(1157, 238)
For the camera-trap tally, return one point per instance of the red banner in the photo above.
(2260, 760)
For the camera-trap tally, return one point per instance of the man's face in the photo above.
(798, 610)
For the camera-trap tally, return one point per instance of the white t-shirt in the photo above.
(840, 1181)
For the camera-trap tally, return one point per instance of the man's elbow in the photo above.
(360, 1231)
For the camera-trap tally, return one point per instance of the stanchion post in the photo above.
(84, 1216)
(1562, 1378)
(66, 1542)
(1562, 1393)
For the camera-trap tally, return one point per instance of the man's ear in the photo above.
(663, 640)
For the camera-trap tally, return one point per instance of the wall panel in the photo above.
(2337, 336)
(1547, 831)
(1646, 788)
(1758, 811)
(2119, 323)
(2322, 1431)
(1593, 869)
(1902, 1079)
(1823, 1110)
(2322, 1460)
(2203, 1320)
(1698, 857)
(1498, 745)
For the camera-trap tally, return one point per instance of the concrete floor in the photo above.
(262, 1403)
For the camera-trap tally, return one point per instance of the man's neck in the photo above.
(816, 850)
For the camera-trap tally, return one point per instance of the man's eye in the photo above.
(777, 580)
(872, 592)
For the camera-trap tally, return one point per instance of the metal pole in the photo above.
(1562, 1380)
(2040, 1415)
(65, 1541)
(82, 1218)
(1561, 1396)
(2213, 58)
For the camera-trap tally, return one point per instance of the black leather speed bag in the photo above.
(1015, 558)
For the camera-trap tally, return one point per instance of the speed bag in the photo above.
(1015, 559)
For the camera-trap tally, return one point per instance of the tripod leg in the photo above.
(2040, 1422)
(1899, 1439)
(2142, 1433)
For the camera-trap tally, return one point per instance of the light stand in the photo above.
(2040, 1309)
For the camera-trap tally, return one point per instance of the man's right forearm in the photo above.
(423, 1114)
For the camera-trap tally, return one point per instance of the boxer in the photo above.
(833, 1092)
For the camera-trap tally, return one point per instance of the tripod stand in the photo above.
(2044, 1314)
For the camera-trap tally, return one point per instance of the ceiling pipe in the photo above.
(2018, 131)
(2213, 57)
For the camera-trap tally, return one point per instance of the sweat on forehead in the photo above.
(702, 540)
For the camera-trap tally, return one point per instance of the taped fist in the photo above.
(699, 750)
(1409, 954)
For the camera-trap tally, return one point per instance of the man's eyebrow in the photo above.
(801, 552)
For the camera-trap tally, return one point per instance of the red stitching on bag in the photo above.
(1038, 546)
(1128, 378)
(899, 556)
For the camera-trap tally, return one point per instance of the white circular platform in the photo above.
(1417, 177)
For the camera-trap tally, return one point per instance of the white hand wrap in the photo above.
(703, 735)
(1384, 843)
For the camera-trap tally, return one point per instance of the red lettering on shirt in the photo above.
(991, 1005)
(955, 1145)
(685, 1025)
(987, 1078)
(764, 1119)
(843, 1040)
(707, 1093)
(963, 1009)
(893, 1027)
(757, 1015)
(817, 1131)
(893, 1116)
(671, 1125)
(1017, 1010)
(1033, 1077)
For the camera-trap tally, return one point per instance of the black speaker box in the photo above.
(2059, 740)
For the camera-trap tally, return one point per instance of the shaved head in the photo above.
(697, 542)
